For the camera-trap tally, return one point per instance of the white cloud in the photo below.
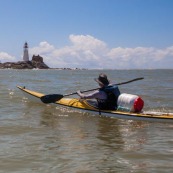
(141, 57)
(81, 42)
(43, 48)
(5, 57)
(85, 51)
(89, 52)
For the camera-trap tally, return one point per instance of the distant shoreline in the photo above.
(21, 65)
(67, 68)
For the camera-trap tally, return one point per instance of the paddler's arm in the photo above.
(88, 96)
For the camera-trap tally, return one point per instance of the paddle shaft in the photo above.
(110, 85)
(52, 98)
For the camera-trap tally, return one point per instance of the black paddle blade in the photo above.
(51, 98)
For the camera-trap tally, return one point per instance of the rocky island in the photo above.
(36, 62)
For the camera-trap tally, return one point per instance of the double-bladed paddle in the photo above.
(52, 98)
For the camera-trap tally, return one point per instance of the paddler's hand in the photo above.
(78, 92)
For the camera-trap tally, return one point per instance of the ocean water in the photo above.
(44, 138)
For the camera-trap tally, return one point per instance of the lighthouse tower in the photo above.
(25, 52)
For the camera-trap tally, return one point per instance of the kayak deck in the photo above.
(85, 106)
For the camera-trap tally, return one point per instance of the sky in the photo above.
(104, 34)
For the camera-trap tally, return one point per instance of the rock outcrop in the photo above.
(36, 62)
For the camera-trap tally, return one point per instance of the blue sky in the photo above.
(89, 33)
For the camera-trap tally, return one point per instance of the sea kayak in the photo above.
(89, 106)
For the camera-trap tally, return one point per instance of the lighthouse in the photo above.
(25, 52)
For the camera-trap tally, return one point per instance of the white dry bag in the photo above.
(130, 103)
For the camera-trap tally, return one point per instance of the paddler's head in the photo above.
(102, 80)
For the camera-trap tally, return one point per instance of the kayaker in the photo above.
(106, 96)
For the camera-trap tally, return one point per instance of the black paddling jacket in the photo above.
(112, 96)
